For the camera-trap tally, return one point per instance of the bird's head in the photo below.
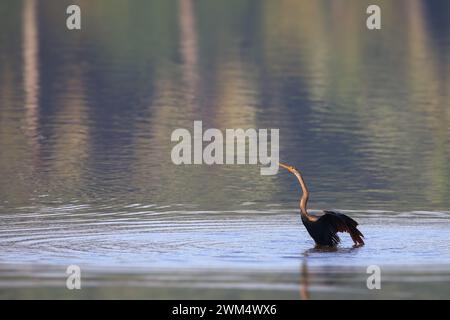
(288, 167)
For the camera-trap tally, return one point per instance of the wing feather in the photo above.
(339, 222)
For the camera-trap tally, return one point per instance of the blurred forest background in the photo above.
(87, 115)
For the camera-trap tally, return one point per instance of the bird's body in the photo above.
(323, 229)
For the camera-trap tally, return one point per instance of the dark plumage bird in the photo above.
(323, 229)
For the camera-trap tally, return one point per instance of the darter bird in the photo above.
(324, 228)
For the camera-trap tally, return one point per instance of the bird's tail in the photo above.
(353, 230)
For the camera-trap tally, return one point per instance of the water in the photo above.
(85, 170)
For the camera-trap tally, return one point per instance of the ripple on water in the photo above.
(155, 236)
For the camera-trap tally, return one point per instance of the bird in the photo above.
(324, 228)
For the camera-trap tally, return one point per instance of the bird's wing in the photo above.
(339, 222)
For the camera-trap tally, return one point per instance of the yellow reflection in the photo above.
(31, 67)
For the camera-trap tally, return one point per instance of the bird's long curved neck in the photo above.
(305, 195)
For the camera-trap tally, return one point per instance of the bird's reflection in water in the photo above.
(304, 279)
(305, 274)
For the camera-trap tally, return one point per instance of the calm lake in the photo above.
(86, 176)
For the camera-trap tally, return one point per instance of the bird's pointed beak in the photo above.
(285, 166)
